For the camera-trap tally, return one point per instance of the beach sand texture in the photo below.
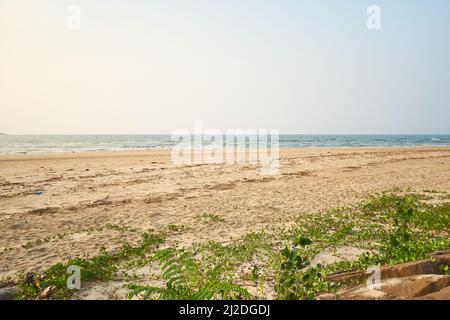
(56, 206)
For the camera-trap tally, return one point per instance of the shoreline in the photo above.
(167, 152)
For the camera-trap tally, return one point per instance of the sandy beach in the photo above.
(56, 206)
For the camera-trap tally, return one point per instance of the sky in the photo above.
(155, 66)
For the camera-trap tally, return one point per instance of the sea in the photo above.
(35, 144)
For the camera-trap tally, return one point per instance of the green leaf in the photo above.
(302, 241)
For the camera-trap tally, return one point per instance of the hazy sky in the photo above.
(152, 66)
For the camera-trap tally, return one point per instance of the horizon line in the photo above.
(168, 134)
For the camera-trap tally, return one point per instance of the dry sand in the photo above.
(76, 195)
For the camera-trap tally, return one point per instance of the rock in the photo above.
(8, 293)
(413, 280)
(443, 294)
(46, 293)
(410, 269)
(397, 271)
(442, 257)
(362, 292)
(440, 253)
(415, 286)
(411, 287)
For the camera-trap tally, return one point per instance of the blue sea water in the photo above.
(23, 144)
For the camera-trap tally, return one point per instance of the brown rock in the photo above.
(398, 288)
(410, 269)
(443, 258)
(440, 253)
(396, 271)
(413, 280)
(443, 294)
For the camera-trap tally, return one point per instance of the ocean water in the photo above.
(24, 144)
